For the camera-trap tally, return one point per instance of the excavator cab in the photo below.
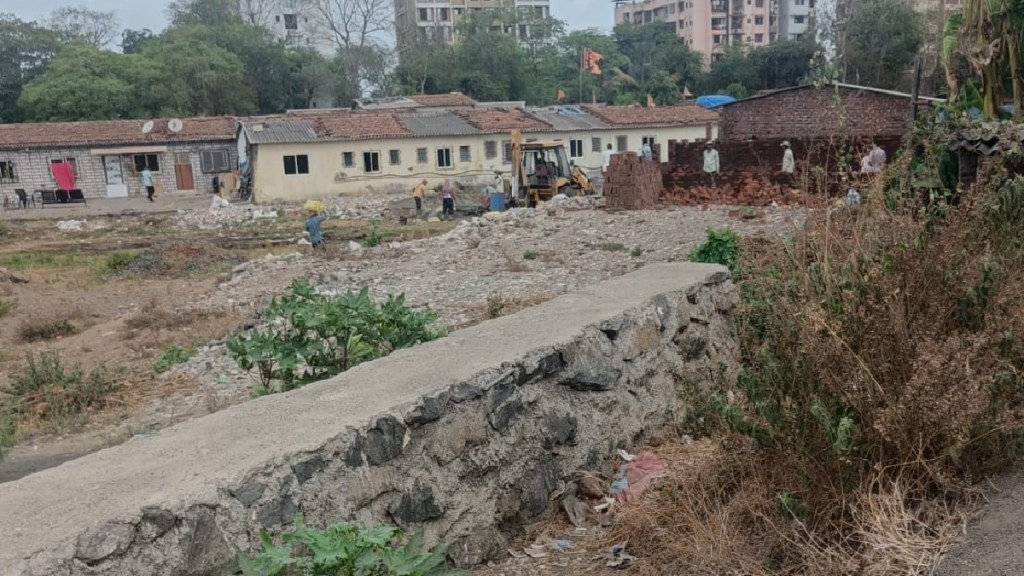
(540, 170)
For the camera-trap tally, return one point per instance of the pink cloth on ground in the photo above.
(641, 473)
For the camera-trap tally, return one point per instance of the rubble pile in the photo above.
(631, 183)
(178, 258)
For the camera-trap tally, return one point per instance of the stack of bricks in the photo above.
(632, 183)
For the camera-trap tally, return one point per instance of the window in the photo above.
(759, 38)
(426, 14)
(649, 140)
(595, 145)
(444, 157)
(291, 22)
(421, 155)
(799, 19)
(7, 173)
(490, 149)
(348, 159)
(143, 161)
(759, 3)
(575, 148)
(759, 20)
(506, 151)
(442, 14)
(623, 143)
(298, 164)
(464, 154)
(395, 157)
(371, 162)
(215, 161)
(72, 161)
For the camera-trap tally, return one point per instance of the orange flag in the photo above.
(591, 61)
(561, 95)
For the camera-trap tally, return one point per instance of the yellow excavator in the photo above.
(541, 170)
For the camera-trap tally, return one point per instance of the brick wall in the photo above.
(32, 168)
(815, 113)
(631, 183)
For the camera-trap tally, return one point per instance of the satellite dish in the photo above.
(175, 125)
(147, 127)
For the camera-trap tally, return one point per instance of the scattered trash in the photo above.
(607, 505)
(621, 482)
(575, 510)
(71, 225)
(686, 439)
(264, 214)
(592, 487)
(634, 478)
(616, 556)
(354, 246)
(626, 455)
(516, 553)
(219, 203)
(563, 546)
(536, 550)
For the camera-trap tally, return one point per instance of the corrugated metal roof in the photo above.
(281, 131)
(436, 124)
(569, 118)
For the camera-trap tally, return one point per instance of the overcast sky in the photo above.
(151, 13)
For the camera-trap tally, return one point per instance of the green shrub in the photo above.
(39, 330)
(375, 237)
(172, 356)
(114, 263)
(530, 255)
(346, 550)
(6, 306)
(722, 246)
(307, 336)
(53, 392)
(611, 246)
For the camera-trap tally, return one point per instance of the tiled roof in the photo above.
(491, 120)
(625, 116)
(359, 125)
(435, 124)
(113, 132)
(442, 100)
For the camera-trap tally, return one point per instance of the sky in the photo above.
(151, 13)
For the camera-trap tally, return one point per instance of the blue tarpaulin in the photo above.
(714, 101)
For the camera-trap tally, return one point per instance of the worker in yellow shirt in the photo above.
(418, 193)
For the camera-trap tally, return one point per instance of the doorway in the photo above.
(183, 171)
(114, 170)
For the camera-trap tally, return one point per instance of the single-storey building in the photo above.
(316, 153)
(107, 157)
(812, 112)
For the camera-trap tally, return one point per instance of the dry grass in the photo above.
(42, 329)
(513, 265)
(155, 316)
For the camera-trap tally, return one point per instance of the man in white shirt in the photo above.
(646, 152)
(788, 162)
(711, 165)
(607, 158)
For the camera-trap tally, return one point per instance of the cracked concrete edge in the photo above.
(408, 458)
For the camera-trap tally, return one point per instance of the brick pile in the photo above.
(632, 184)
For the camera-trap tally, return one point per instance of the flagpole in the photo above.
(581, 75)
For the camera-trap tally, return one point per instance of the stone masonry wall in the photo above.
(33, 169)
(815, 113)
(465, 438)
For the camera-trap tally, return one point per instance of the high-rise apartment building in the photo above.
(435, 20)
(296, 22)
(708, 26)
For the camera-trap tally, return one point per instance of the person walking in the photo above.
(147, 183)
(315, 217)
(711, 163)
(448, 199)
(418, 193)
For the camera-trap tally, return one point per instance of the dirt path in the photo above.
(994, 544)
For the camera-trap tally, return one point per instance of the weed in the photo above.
(513, 265)
(172, 356)
(498, 306)
(347, 550)
(6, 306)
(473, 243)
(374, 237)
(36, 330)
(36, 260)
(307, 336)
(611, 247)
(530, 255)
(5, 230)
(636, 252)
(722, 246)
(113, 263)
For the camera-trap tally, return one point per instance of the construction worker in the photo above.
(418, 193)
(711, 164)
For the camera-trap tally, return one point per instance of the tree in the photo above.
(81, 83)
(992, 39)
(784, 63)
(733, 73)
(93, 27)
(258, 12)
(357, 28)
(882, 39)
(205, 12)
(25, 49)
(132, 41)
(654, 48)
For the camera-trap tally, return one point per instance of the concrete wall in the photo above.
(329, 176)
(33, 169)
(815, 113)
(465, 438)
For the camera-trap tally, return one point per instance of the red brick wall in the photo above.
(815, 113)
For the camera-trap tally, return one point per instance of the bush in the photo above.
(6, 306)
(722, 246)
(52, 392)
(114, 263)
(307, 337)
(346, 550)
(375, 237)
(530, 255)
(172, 356)
(39, 330)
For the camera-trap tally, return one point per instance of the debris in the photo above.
(637, 476)
(563, 546)
(536, 550)
(71, 225)
(607, 505)
(7, 277)
(616, 556)
(575, 510)
(264, 214)
(592, 487)
(626, 455)
(354, 246)
(219, 203)
(516, 553)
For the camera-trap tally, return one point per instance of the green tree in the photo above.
(81, 83)
(882, 39)
(992, 39)
(652, 49)
(204, 12)
(25, 50)
(784, 63)
(92, 27)
(733, 73)
(132, 41)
